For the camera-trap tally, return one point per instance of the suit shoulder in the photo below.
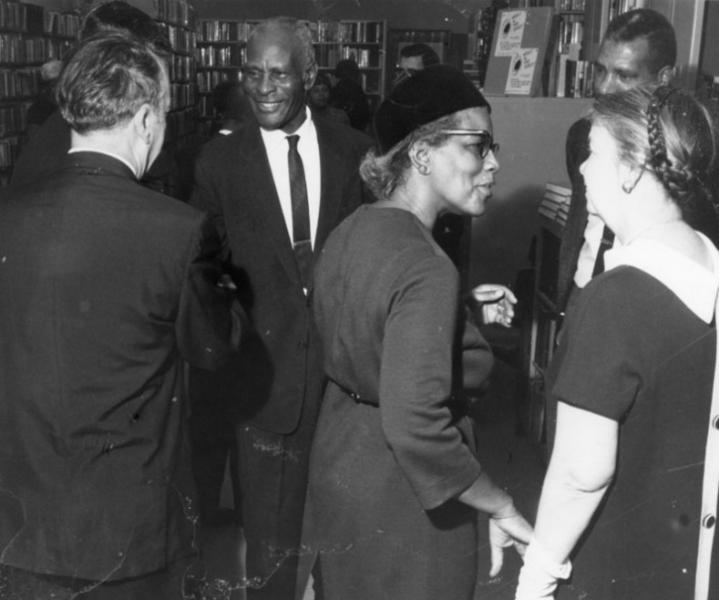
(343, 134)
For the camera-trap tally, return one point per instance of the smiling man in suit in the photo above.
(275, 210)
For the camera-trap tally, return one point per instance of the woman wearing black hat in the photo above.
(394, 484)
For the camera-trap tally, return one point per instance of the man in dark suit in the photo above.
(274, 218)
(105, 288)
(639, 49)
(46, 148)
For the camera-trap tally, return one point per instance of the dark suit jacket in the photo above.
(45, 150)
(105, 286)
(577, 151)
(280, 367)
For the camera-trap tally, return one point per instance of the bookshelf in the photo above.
(546, 317)
(29, 36)
(177, 17)
(221, 52)
(32, 34)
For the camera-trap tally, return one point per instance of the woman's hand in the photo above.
(510, 529)
(497, 302)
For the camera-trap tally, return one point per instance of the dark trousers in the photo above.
(168, 584)
(213, 444)
(273, 475)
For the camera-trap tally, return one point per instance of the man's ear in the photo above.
(666, 75)
(310, 76)
(141, 123)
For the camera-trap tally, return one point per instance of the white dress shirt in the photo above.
(277, 146)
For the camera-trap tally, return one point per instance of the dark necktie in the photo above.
(301, 240)
(605, 244)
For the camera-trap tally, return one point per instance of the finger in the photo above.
(496, 561)
(509, 295)
(521, 548)
(492, 295)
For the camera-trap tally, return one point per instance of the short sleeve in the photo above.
(596, 366)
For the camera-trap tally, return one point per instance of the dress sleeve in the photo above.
(416, 383)
(597, 366)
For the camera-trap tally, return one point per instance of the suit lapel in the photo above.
(332, 174)
(255, 176)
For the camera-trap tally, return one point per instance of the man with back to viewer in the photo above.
(46, 149)
(106, 288)
(273, 225)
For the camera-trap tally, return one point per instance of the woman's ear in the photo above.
(419, 154)
(629, 176)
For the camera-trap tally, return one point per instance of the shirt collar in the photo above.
(693, 284)
(277, 136)
(106, 153)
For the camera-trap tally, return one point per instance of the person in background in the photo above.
(633, 373)
(639, 48)
(46, 150)
(395, 485)
(414, 58)
(275, 189)
(318, 99)
(231, 107)
(348, 94)
(106, 288)
(44, 105)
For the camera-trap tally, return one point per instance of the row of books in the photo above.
(9, 150)
(62, 24)
(16, 49)
(183, 95)
(19, 83)
(224, 31)
(575, 5)
(363, 32)
(13, 16)
(181, 39)
(182, 68)
(208, 80)
(13, 119)
(178, 12)
(555, 202)
(220, 56)
(575, 78)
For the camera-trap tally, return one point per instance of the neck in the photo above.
(410, 198)
(110, 141)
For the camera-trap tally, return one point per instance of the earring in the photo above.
(627, 187)
(423, 169)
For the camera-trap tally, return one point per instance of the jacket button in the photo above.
(708, 521)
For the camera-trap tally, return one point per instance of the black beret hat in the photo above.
(434, 92)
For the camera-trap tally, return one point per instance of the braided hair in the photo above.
(671, 133)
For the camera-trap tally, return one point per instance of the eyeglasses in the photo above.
(486, 141)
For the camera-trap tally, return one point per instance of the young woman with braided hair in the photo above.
(632, 378)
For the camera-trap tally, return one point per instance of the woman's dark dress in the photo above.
(633, 352)
(387, 464)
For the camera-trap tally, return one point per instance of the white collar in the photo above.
(694, 285)
(106, 153)
(277, 136)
